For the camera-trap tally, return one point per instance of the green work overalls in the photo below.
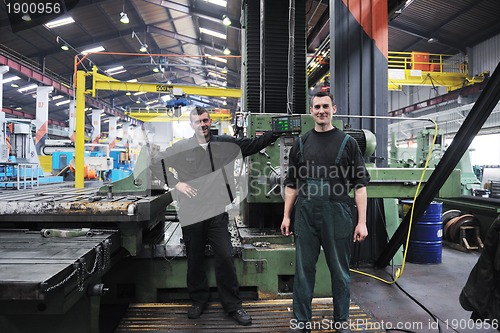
(322, 220)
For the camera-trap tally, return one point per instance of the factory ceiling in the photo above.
(191, 36)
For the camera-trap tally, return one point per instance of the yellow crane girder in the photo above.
(103, 82)
(407, 77)
(164, 116)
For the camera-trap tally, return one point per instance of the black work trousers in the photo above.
(212, 231)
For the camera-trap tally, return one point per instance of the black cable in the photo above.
(420, 304)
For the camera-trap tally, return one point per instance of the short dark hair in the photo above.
(198, 111)
(323, 94)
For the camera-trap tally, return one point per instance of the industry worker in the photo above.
(324, 165)
(204, 180)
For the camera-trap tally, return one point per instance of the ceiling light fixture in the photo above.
(93, 50)
(26, 18)
(63, 102)
(222, 3)
(10, 79)
(212, 33)
(144, 48)
(226, 20)
(63, 44)
(209, 56)
(432, 40)
(59, 22)
(124, 18)
(28, 87)
(226, 51)
(114, 69)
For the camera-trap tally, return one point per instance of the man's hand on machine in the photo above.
(186, 189)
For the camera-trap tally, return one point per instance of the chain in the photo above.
(96, 260)
(80, 266)
(81, 275)
(57, 285)
(107, 254)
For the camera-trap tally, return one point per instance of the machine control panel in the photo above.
(286, 125)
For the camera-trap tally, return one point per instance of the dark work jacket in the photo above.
(210, 171)
(481, 293)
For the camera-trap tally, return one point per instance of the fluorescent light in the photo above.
(10, 79)
(57, 97)
(26, 88)
(139, 93)
(151, 102)
(222, 3)
(132, 80)
(212, 33)
(114, 69)
(94, 49)
(59, 22)
(63, 102)
(216, 58)
(119, 72)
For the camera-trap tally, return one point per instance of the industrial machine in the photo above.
(482, 210)
(118, 243)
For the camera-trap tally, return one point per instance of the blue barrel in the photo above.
(426, 238)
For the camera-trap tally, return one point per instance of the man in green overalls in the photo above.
(325, 164)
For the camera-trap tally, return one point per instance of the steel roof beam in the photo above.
(195, 12)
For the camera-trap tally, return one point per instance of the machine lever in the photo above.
(263, 152)
(273, 169)
(268, 194)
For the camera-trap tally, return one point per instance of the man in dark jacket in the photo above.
(204, 181)
(481, 293)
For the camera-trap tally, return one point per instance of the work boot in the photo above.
(242, 317)
(196, 310)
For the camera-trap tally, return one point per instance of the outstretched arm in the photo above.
(250, 146)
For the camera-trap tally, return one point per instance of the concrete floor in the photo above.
(436, 286)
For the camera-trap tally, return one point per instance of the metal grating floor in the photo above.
(267, 316)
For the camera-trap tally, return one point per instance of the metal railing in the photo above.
(429, 62)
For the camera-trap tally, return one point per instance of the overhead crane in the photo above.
(428, 69)
(103, 82)
(412, 69)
